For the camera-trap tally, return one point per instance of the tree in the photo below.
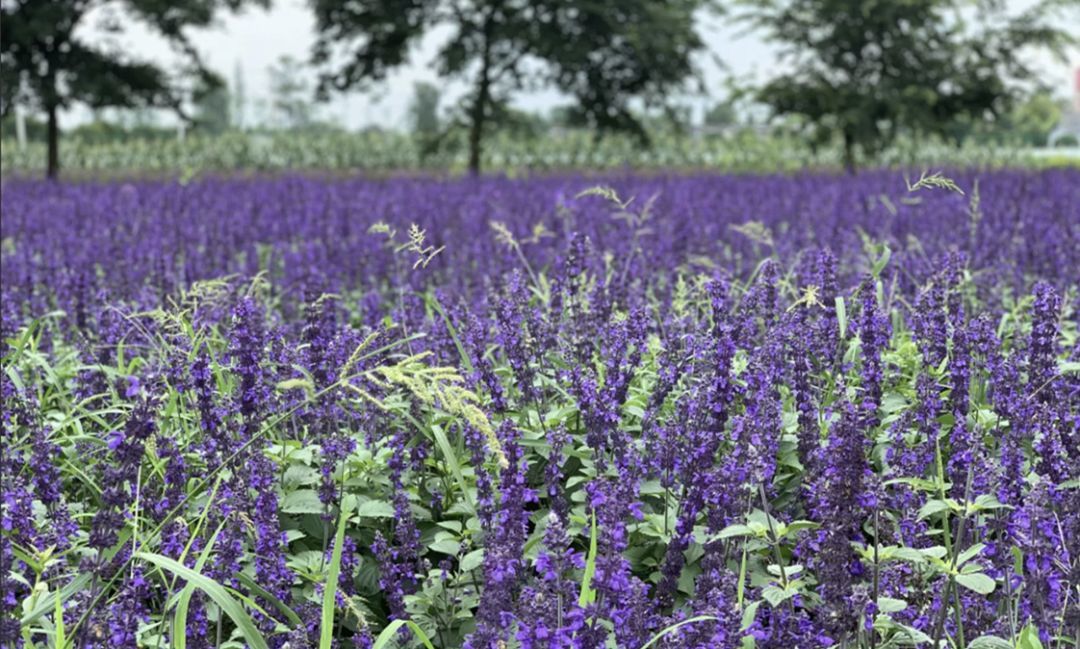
(212, 110)
(601, 54)
(424, 109)
(722, 116)
(424, 120)
(868, 70)
(43, 63)
(289, 93)
(239, 97)
(1033, 120)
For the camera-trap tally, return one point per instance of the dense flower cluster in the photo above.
(774, 412)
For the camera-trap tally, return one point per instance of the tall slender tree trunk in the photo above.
(849, 154)
(52, 168)
(480, 104)
(476, 132)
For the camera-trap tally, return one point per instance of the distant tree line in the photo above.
(860, 72)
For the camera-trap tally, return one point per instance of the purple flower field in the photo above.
(740, 412)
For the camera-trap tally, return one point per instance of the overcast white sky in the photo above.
(254, 39)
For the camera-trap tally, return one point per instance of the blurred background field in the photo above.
(128, 89)
(393, 152)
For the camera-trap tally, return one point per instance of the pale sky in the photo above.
(254, 39)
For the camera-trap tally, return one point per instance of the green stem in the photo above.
(877, 544)
(776, 549)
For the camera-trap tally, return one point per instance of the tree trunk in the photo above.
(52, 168)
(480, 104)
(849, 154)
(476, 132)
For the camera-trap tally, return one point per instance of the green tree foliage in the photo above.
(867, 70)
(44, 64)
(290, 95)
(213, 110)
(238, 111)
(424, 109)
(1033, 120)
(601, 54)
(424, 122)
(721, 115)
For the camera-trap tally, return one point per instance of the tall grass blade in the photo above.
(588, 593)
(391, 629)
(326, 623)
(675, 627)
(214, 591)
(58, 622)
(179, 638)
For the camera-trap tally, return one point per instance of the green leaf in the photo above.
(48, 602)
(976, 581)
(893, 402)
(588, 594)
(674, 627)
(214, 591)
(735, 530)
(179, 634)
(909, 554)
(881, 262)
(748, 615)
(985, 502)
(759, 521)
(990, 642)
(326, 624)
(375, 509)
(391, 630)
(776, 595)
(445, 546)
(891, 605)
(1069, 367)
(967, 554)
(465, 360)
(935, 506)
(740, 587)
(472, 560)
(795, 527)
(921, 484)
(451, 461)
(58, 622)
(1029, 638)
(841, 317)
(297, 476)
(302, 501)
(1018, 559)
(789, 571)
(259, 591)
(909, 634)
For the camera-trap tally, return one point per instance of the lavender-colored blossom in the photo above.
(503, 549)
(126, 447)
(874, 331)
(841, 499)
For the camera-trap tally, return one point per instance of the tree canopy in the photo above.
(602, 54)
(46, 64)
(868, 69)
